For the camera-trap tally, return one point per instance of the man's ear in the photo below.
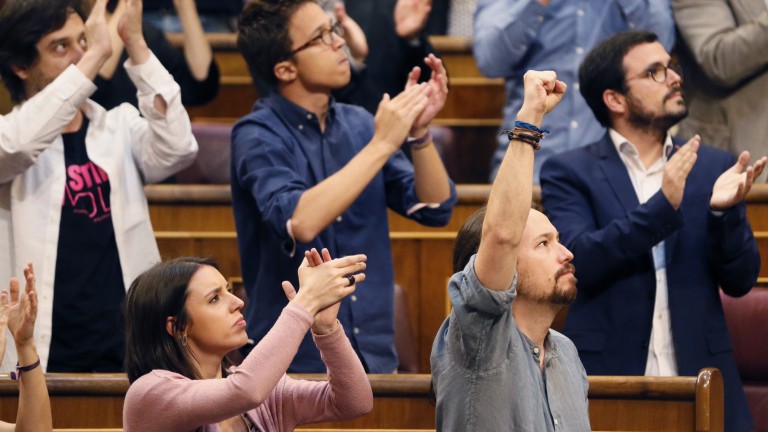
(20, 72)
(615, 101)
(285, 71)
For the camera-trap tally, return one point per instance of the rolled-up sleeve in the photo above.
(401, 194)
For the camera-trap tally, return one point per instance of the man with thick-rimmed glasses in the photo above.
(310, 172)
(656, 226)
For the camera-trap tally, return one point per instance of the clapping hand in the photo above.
(733, 185)
(19, 312)
(438, 93)
(676, 171)
(130, 30)
(323, 284)
(411, 16)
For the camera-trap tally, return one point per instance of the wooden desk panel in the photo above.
(401, 403)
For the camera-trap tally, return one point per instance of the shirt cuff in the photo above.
(420, 206)
(151, 78)
(73, 85)
(289, 230)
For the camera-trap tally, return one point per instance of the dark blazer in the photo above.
(588, 195)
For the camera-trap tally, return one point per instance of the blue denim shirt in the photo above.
(486, 372)
(513, 36)
(278, 152)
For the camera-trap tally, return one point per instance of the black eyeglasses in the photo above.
(658, 72)
(326, 36)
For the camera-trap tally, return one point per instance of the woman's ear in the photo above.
(170, 325)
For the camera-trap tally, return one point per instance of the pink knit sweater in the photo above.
(169, 402)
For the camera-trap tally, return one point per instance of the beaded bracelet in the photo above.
(15, 375)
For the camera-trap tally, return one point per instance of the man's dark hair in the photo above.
(263, 37)
(155, 295)
(468, 239)
(22, 24)
(603, 69)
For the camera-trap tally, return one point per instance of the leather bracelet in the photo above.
(527, 139)
(15, 375)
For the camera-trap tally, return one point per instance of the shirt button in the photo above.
(576, 86)
(540, 18)
(301, 127)
(580, 12)
(353, 298)
(339, 219)
(536, 350)
(356, 330)
(574, 124)
(579, 50)
(556, 422)
(309, 116)
(631, 25)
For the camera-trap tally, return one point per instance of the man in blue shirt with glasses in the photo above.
(310, 172)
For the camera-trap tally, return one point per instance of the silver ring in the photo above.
(351, 280)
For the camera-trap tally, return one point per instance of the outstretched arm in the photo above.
(432, 183)
(733, 250)
(510, 200)
(353, 34)
(34, 413)
(347, 393)
(319, 205)
(197, 50)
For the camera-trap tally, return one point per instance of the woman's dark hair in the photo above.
(603, 69)
(22, 24)
(155, 295)
(263, 37)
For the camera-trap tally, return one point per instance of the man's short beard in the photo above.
(644, 120)
(558, 296)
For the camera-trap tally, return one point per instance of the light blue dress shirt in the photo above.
(514, 36)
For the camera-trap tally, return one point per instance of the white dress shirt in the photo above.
(132, 149)
(647, 182)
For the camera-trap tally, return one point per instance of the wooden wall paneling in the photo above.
(5, 100)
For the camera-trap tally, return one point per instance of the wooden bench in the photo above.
(401, 402)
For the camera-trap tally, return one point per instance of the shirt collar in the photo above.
(295, 115)
(623, 146)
